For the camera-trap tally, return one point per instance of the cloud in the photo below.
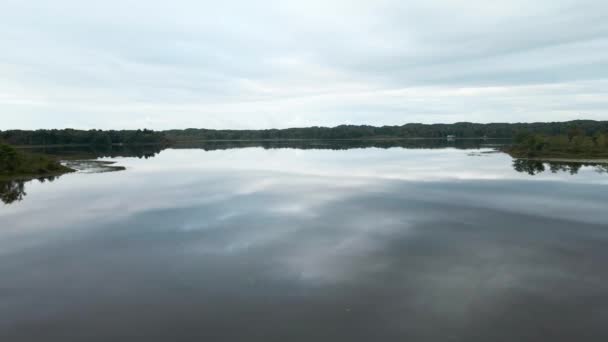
(240, 64)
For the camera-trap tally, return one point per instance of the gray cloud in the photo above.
(241, 64)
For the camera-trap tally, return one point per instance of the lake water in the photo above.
(308, 243)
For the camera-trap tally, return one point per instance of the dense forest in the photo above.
(80, 137)
(15, 163)
(576, 143)
(460, 130)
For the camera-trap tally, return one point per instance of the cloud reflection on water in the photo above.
(187, 245)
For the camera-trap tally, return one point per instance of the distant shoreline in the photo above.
(251, 140)
(187, 141)
(84, 145)
(407, 132)
(332, 139)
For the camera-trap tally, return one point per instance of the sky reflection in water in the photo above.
(274, 244)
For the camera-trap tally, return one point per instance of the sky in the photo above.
(241, 64)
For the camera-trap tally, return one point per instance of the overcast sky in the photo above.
(261, 64)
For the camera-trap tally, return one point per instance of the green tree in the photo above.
(9, 159)
(574, 132)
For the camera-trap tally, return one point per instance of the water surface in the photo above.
(308, 243)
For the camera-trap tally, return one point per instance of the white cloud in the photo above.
(242, 64)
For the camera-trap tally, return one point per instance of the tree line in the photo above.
(45, 137)
(459, 130)
(413, 130)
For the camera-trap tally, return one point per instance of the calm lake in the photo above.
(307, 242)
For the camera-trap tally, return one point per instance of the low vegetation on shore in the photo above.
(15, 164)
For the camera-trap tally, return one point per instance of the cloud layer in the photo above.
(243, 64)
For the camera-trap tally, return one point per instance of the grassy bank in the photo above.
(16, 164)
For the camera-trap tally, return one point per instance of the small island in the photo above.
(19, 165)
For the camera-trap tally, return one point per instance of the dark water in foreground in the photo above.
(254, 244)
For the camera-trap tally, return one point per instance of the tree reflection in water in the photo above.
(534, 167)
(14, 190)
